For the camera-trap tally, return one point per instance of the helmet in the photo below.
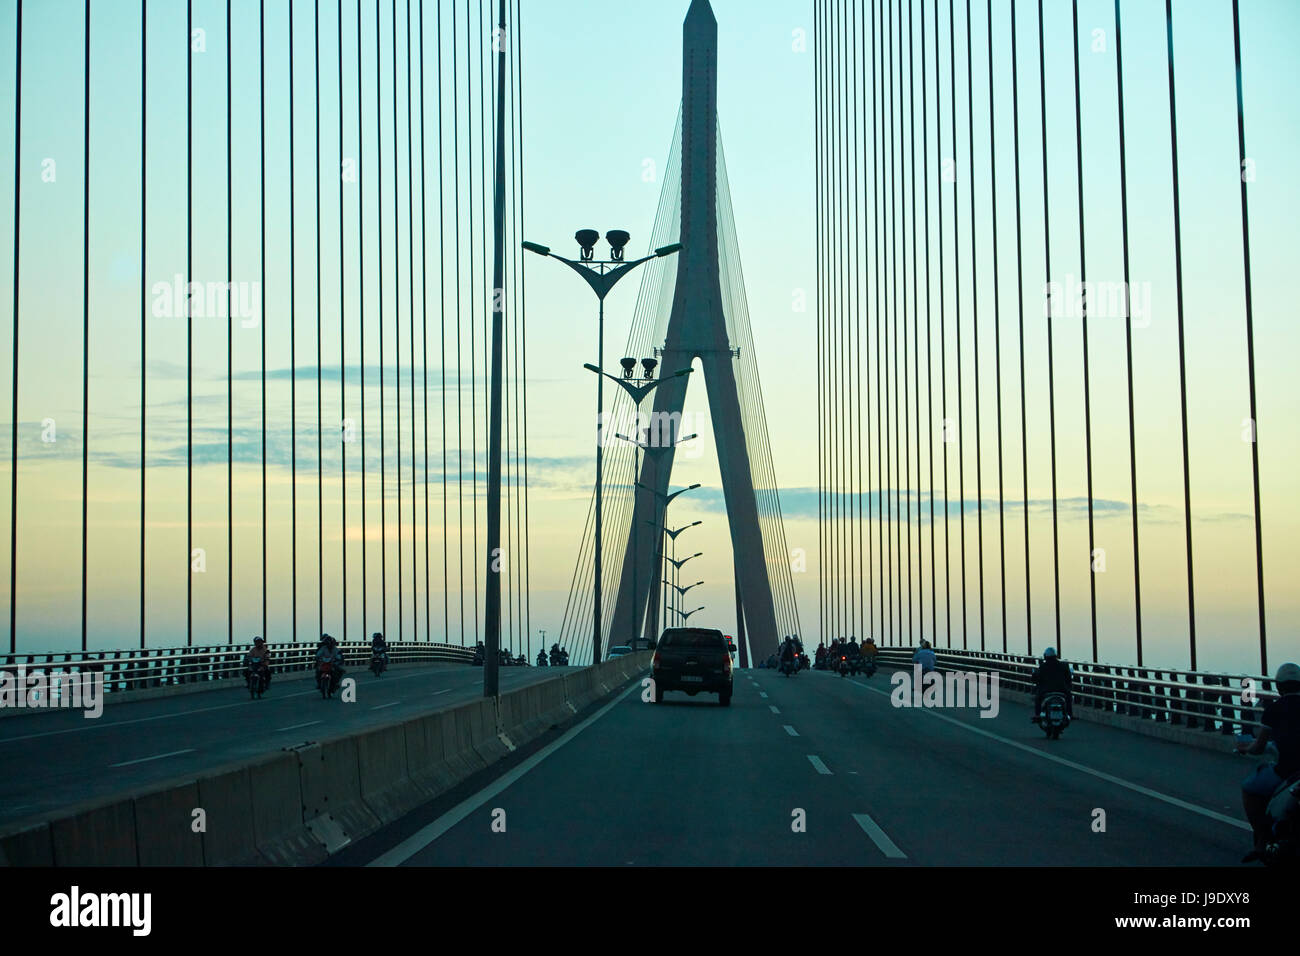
(871, 640)
(1049, 652)
(259, 640)
(1288, 673)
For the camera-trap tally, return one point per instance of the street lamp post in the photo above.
(638, 393)
(673, 534)
(654, 451)
(666, 500)
(601, 275)
(677, 565)
(686, 615)
(681, 592)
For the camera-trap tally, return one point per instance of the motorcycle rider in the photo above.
(259, 656)
(869, 650)
(820, 656)
(787, 651)
(925, 657)
(541, 657)
(379, 647)
(1053, 676)
(1280, 723)
(328, 651)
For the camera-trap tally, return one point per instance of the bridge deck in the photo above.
(58, 758)
(689, 782)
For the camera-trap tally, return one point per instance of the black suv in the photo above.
(692, 659)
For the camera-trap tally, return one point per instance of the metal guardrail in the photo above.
(172, 666)
(1192, 699)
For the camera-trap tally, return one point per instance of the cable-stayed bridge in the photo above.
(968, 157)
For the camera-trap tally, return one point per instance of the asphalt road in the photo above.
(688, 782)
(56, 758)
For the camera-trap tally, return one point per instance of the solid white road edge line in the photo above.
(1099, 774)
(879, 837)
(425, 836)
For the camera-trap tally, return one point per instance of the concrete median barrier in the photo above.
(484, 736)
(459, 756)
(332, 806)
(98, 836)
(227, 802)
(280, 836)
(27, 846)
(295, 807)
(386, 785)
(164, 826)
(428, 763)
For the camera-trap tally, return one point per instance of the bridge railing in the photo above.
(1192, 699)
(129, 670)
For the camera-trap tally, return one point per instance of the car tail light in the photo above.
(654, 664)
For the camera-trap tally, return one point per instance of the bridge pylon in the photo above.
(697, 328)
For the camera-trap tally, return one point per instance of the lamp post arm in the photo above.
(601, 282)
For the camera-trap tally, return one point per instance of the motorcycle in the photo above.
(378, 663)
(1284, 822)
(257, 677)
(789, 666)
(1052, 717)
(541, 660)
(325, 678)
(843, 666)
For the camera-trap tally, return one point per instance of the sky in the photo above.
(600, 94)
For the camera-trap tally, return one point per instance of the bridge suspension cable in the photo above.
(913, 249)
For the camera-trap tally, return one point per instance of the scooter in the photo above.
(1052, 717)
(1283, 818)
(378, 663)
(257, 677)
(325, 679)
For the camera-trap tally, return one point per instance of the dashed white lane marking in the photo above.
(127, 763)
(762, 694)
(296, 726)
(1099, 774)
(389, 704)
(773, 709)
(103, 725)
(818, 765)
(444, 691)
(879, 837)
(791, 731)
